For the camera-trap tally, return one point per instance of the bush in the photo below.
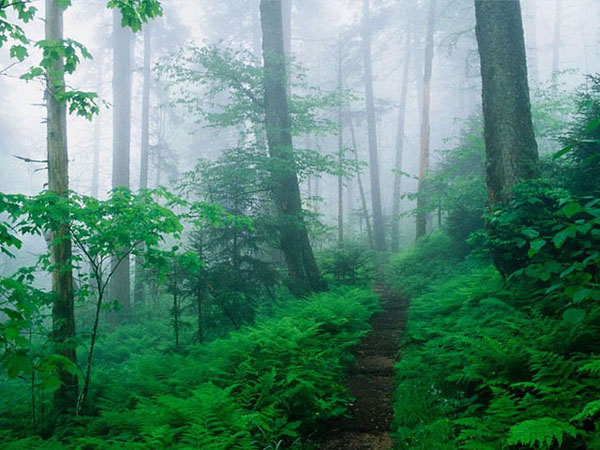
(352, 264)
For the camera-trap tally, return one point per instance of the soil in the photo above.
(371, 382)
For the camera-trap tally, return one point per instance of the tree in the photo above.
(395, 234)
(511, 149)
(63, 308)
(340, 177)
(145, 146)
(303, 271)
(122, 48)
(425, 121)
(378, 228)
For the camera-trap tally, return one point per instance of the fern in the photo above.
(540, 433)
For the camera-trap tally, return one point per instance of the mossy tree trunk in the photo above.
(511, 149)
(303, 271)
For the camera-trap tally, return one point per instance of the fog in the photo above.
(316, 27)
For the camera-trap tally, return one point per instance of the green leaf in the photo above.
(531, 233)
(570, 209)
(574, 315)
(581, 294)
(540, 432)
(535, 246)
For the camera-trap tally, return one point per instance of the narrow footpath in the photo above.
(371, 383)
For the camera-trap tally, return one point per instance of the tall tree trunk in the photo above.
(425, 122)
(95, 190)
(303, 271)
(556, 39)
(508, 131)
(378, 228)
(63, 308)
(138, 294)
(395, 234)
(361, 190)
(340, 177)
(122, 45)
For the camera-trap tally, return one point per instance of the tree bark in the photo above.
(395, 234)
(63, 308)
(122, 46)
(303, 271)
(511, 148)
(425, 121)
(138, 294)
(378, 227)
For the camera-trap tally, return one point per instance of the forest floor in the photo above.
(372, 382)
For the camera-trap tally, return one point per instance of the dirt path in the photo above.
(371, 383)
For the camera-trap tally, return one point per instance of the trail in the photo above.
(371, 383)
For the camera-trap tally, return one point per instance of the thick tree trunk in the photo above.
(63, 308)
(395, 234)
(509, 138)
(303, 271)
(138, 294)
(378, 227)
(425, 121)
(122, 45)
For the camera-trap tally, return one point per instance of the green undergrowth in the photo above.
(262, 387)
(490, 365)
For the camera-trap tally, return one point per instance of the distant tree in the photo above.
(145, 151)
(395, 233)
(122, 78)
(303, 270)
(378, 227)
(425, 121)
(511, 148)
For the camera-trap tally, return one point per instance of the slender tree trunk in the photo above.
(378, 227)
(511, 148)
(361, 190)
(95, 191)
(138, 294)
(556, 41)
(63, 308)
(340, 177)
(425, 122)
(122, 45)
(303, 271)
(395, 234)
(531, 41)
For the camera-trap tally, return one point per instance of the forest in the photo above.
(300, 224)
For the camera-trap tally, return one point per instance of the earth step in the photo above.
(359, 441)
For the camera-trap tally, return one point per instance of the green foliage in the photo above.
(489, 365)
(540, 433)
(60, 57)
(351, 264)
(581, 143)
(260, 387)
(404, 272)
